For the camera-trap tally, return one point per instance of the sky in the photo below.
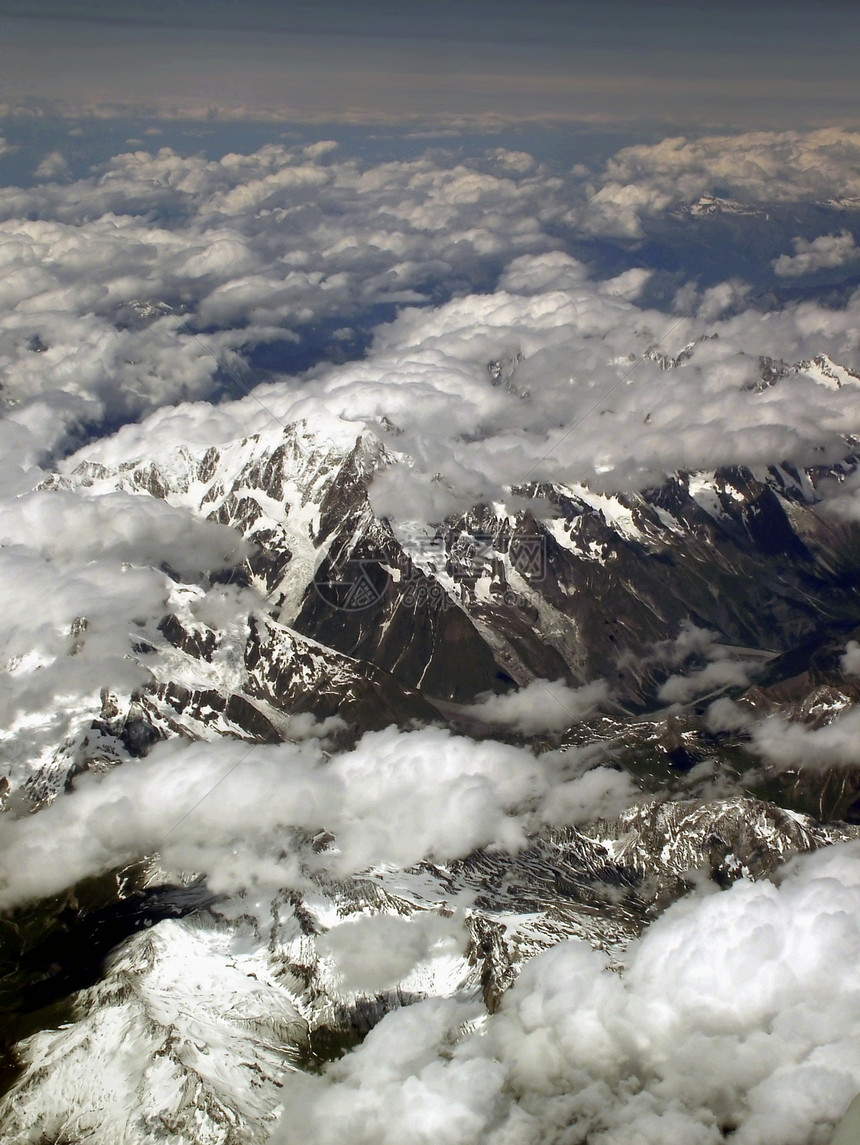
(724, 63)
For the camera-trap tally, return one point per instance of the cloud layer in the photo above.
(734, 1014)
(226, 809)
(101, 277)
(546, 373)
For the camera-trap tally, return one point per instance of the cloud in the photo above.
(718, 674)
(105, 282)
(64, 526)
(709, 665)
(376, 952)
(45, 655)
(724, 715)
(784, 745)
(573, 356)
(583, 793)
(841, 497)
(691, 642)
(263, 243)
(106, 279)
(851, 660)
(757, 167)
(225, 809)
(580, 360)
(84, 579)
(821, 253)
(541, 706)
(732, 1015)
(401, 1091)
(539, 274)
(722, 299)
(629, 284)
(53, 166)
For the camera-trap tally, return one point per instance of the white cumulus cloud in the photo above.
(734, 1014)
(821, 253)
(541, 706)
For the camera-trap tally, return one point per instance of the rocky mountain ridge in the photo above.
(557, 590)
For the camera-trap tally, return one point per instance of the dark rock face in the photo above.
(755, 563)
(752, 561)
(296, 676)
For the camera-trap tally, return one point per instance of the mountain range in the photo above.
(352, 622)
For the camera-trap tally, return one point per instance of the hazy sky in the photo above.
(777, 62)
